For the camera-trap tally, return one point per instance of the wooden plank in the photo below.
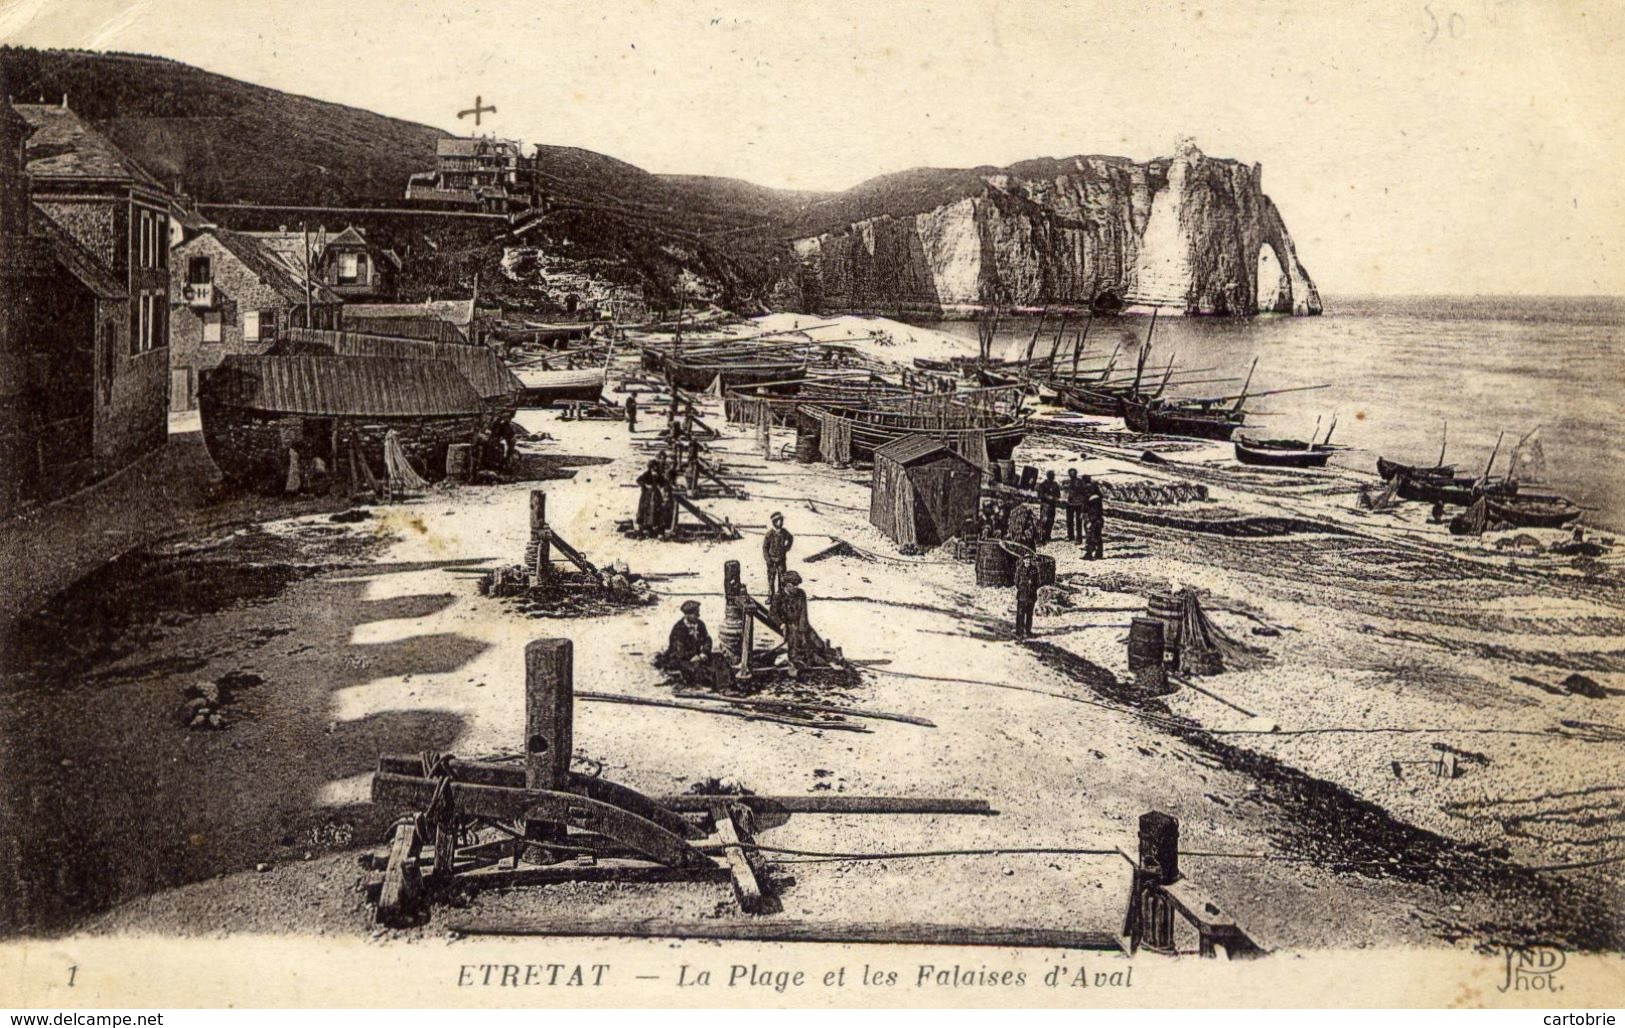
(512, 776)
(708, 708)
(605, 791)
(575, 556)
(398, 897)
(775, 930)
(556, 808)
(746, 888)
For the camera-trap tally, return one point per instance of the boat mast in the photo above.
(1328, 440)
(1493, 454)
(1243, 397)
(1444, 436)
(1166, 375)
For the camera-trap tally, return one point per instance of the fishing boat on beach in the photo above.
(543, 386)
(698, 373)
(1287, 453)
(1533, 510)
(1389, 469)
(255, 408)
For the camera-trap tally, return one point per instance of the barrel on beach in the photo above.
(1145, 655)
(1170, 610)
(995, 565)
(459, 460)
(806, 447)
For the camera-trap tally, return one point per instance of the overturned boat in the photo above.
(256, 408)
(542, 387)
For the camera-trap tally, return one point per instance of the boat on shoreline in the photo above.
(1282, 453)
(543, 387)
(1388, 469)
(871, 428)
(256, 408)
(1533, 510)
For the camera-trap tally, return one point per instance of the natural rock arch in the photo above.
(1274, 291)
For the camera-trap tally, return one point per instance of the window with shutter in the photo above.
(211, 326)
(251, 326)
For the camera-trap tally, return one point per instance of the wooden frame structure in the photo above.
(475, 822)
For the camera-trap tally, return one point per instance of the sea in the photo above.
(1401, 374)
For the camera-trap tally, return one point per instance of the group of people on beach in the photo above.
(1085, 504)
(691, 652)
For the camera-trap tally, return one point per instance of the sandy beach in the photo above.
(1309, 788)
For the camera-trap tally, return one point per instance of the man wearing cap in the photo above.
(1074, 506)
(775, 552)
(1049, 496)
(1094, 519)
(688, 648)
(1027, 581)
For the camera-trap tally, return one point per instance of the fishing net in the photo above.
(401, 475)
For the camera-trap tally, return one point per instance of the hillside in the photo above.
(932, 240)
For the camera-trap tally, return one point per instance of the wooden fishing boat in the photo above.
(696, 375)
(873, 428)
(1532, 510)
(255, 407)
(543, 387)
(1099, 401)
(1282, 453)
(1389, 468)
(1455, 491)
(1198, 421)
(496, 385)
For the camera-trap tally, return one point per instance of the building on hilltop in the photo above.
(477, 172)
(84, 355)
(234, 294)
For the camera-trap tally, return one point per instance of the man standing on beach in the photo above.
(1074, 506)
(775, 553)
(1027, 578)
(631, 412)
(1049, 493)
(1094, 519)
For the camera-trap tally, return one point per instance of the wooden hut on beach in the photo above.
(922, 492)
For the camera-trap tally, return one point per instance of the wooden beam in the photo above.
(746, 888)
(511, 776)
(557, 809)
(774, 930)
(400, 895)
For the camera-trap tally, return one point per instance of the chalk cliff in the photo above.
(1189, 231)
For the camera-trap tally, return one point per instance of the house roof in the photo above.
(80, 262)
(189, 217)
(64, 146)
(271, 267)
(457, 312)
(917, 449)
(342, 386)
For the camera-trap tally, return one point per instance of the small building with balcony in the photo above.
(233, 294)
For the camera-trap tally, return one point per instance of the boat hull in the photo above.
(544, 388)
(698, 376)
(1454, 492)
(1532, 512)
(1216, 425)
(1388, 469)
(250, 446)
(1301, 456)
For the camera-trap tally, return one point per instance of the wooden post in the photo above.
(549, 728)
(1158, 868)
(541, 557)
(747, 637)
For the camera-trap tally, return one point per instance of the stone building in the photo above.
(477, 172)
(347, 263)
(233, 295)
(83, 326)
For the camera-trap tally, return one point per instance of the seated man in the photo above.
(689, 653)
(805, 646)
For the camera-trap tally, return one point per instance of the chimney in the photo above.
(64, 100)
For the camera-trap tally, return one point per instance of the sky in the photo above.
(1439, 146)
